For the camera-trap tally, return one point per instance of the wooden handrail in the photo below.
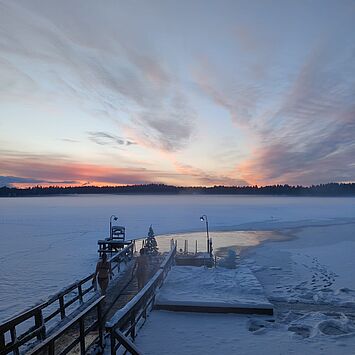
(51, 339)
(122, 252)
(120, 318)
(126, 252)
(121, 313)
(5, 326)
(39, 329)
(125, 319)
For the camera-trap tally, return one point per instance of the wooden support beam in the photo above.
(211, 309)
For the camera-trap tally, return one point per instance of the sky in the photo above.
(178, 92)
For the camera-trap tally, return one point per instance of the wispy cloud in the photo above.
(201, 177)
(169, 126)
(49, 172)
(12, 181)
(104, 138)
(240, 99)
(69, 140)
(306, 134)
(37, 169)
(103, 82)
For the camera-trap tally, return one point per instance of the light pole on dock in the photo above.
(204, 218)
(115, 219)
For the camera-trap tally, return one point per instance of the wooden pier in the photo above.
(123, 326)
(103, 324)
(83, 312)
(42, 325)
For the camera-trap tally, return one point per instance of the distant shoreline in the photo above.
(322, 190)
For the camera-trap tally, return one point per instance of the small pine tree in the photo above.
(150, 243)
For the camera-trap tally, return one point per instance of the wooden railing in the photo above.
(49, 346)
(34, 322)
(123, 325)
(125, 255)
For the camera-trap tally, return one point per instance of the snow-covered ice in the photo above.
(316, 266)
(48, 242)
(309, 278)
(204, 333)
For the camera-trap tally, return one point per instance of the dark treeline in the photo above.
(331, 189)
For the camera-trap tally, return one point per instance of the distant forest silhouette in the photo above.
(331, 189)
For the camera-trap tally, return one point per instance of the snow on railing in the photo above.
(87, 324)
(35, 323)
(125, 321)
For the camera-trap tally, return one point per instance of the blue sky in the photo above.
(181, 92)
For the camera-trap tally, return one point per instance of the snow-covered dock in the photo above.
(212, 290)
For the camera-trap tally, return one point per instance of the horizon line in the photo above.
(256, 186)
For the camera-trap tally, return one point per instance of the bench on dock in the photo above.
(115, 242)
(111, 246)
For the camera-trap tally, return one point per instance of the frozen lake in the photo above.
(47, 242)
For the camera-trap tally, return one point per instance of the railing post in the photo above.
(80, 293)
(82, 336)
(130, 251)
(2, 341)
(133, 325)
(100, 325)
(39, 323)
(51, 348)
(62, 307)
(14, 339)
(113, 342)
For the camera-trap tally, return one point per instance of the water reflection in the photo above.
(222, 241)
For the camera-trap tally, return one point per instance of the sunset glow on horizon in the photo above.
(197, 93)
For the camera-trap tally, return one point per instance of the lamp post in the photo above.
(204, 218)
(115, 219)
